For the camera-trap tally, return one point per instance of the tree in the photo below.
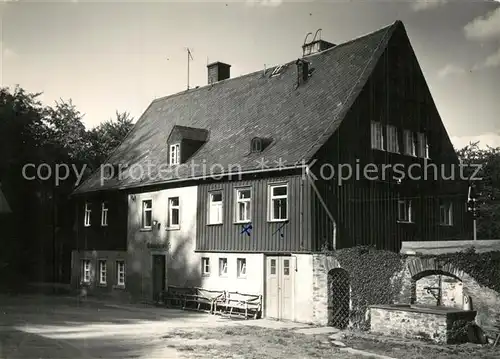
(488, 187)
(107, 136)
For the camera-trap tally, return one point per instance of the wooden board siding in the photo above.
(96, 237)
(264, 236)
(366, 210)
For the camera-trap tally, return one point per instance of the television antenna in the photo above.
(189, 57)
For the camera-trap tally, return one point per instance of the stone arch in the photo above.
(435, 283)
(339, 298)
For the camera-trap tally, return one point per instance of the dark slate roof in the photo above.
(299, 120)
(190, 133)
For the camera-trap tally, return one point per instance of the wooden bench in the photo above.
(239, 304)
(202, 299)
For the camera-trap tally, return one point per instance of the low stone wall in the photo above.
(440, 326)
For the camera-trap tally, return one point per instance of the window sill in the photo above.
(243, 222)
(102, 285)
(104, 225)
(175, 228)
(406, 222)
(145, 229)
(214, 224)
(86, 225)
(277, 220)
(119, 286)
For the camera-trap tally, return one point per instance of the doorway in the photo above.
(279, 288)
(159, 277)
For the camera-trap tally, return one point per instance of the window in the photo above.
(409, 143)
(243, 205)
(278, 203)
(405, 211)
(205, 266)
(86, 270)
(147, 213)
(242, 267)
(88, 212)
(377, 136)
(104, 214)
(103, 272)
(446, 213)
(392, 139)
(173, 213)
(175, 154)
(215, 208)
(286, 267)
(273, 266)
(256, 145)
(423, 146)
(222, 267)
(120, 273)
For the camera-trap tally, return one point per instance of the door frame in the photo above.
(158, 253)
(293, 269)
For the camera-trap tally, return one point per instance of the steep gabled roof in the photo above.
(299, 119)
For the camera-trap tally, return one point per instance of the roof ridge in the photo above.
(386, 27)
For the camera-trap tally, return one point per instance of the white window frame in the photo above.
(215, 207)
(377, 135)
(272, 198)
(408, 210)
(247, 203)
(103, 272)
(86, 274)
(104, 214)
(241, 265)
(392, 139)
(223, 267)
(171, 208)
(423, 145)
(410, 147)
(175, 154)
(143, 213)
(120, 272)
(447, 208)
(87, 214)
(205, 266)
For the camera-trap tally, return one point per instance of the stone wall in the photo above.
(434, 325)
(322, 265)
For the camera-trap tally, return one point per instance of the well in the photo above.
(444, 325)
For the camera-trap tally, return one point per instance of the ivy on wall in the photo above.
(376, 276)
(371, 274)
(483, 267)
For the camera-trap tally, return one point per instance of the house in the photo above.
(234, 185)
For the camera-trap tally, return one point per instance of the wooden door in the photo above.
(158, 275)
(279, 288)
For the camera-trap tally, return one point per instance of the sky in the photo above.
(121, 55)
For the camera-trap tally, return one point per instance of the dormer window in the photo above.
(189, 138)
(259, 144)
(256, 145)
(175, 154)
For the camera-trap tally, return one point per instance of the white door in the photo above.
(279, 288)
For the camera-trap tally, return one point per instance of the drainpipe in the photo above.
(325, 207)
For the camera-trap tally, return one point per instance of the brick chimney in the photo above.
(218, 71)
